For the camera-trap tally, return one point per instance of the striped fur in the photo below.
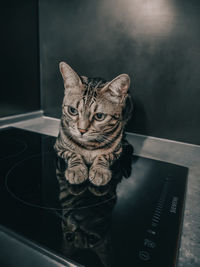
(94, 113)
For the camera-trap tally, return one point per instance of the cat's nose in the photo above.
(82, 131)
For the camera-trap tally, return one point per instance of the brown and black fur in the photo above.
(90, 145)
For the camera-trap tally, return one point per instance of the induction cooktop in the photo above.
(135, 220)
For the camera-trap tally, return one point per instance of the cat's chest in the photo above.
(89, 155)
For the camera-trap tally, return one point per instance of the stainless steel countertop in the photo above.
(160, 149)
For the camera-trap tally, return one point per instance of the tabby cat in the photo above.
(94, 114)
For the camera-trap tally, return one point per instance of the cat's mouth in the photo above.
(86, 137)
(83, 137)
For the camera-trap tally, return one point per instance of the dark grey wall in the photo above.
(20, 90)
(156, 42)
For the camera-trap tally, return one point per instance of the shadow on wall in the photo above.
(139, 124)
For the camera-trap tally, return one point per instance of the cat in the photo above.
(94, 114)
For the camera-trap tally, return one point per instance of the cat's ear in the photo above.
(117, 88)
(70, 77)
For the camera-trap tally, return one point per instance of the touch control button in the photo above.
(144, 255)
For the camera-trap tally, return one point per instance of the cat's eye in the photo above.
(99, 116)
(69, 236)
(93, 239)
(72, 111)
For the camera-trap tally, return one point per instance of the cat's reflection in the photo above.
(87, 213)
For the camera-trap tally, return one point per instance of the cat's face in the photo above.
(88, 228)
(87, 232)
(92, 108)
(89, 121)
(84, 231)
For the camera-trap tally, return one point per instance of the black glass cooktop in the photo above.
(133, 221)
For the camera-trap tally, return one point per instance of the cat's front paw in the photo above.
(99, 176)
(77, 174)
